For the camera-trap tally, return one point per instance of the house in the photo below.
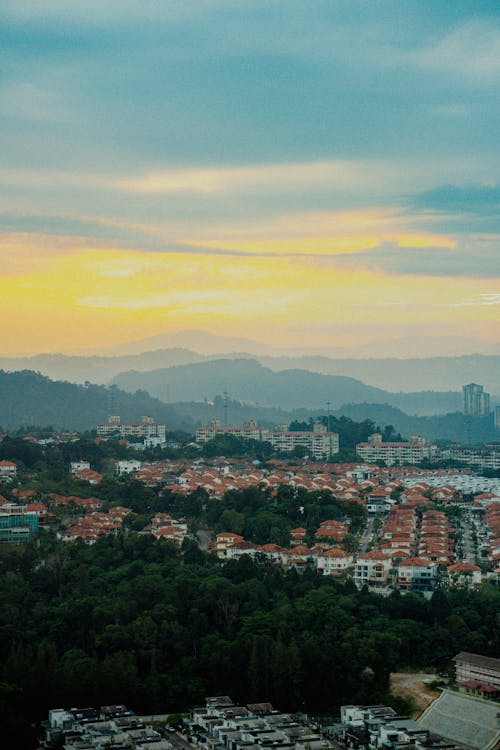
(224, 540)
(8, 471)
(127, 467)
(417, 573)
(464, 575)
(87, 475)
(379, 501)
(78, 466)
(372, 569)
(334, 561)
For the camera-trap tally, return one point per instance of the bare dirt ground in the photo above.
(413, 685)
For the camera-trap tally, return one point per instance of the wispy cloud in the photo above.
(486, 299)
(474, 257)
(469, 51)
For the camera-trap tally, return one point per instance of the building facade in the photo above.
(411, 452)
(146, 428)
(319, 443)
(18, 525)
(476, 402)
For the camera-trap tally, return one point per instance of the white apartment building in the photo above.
(411, 452)
(146, 428)
(485, 456)
(248, 431)
(319, 443)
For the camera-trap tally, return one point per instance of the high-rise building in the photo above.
(476, 401)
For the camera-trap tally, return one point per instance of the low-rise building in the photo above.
(257, 726)
(464, 575)
(78, 466)
(108, 726)
(17, 524)
(127, 467)
(417, 573)
(373, 569)
(484, 669)
(8, 471)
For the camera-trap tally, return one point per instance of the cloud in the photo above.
(472, 257)
(483, 199)
(470, 51)
(348, 174)
(486, 299)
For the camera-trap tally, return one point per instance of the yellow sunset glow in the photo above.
(111, 296)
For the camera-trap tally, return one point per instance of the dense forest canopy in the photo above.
(134, 620)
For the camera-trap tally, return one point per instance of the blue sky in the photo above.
(249, 127)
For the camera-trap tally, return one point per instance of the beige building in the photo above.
(319, 443)
(146, 428)
(483, 669)
(411, 452)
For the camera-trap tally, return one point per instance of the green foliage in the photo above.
(28, 398)
(130, 619)
(230, 445)
(349, 432)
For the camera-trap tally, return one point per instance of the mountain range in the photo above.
(30, 399)
(247, 380)
(409, 375)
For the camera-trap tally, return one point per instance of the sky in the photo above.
(312, 174)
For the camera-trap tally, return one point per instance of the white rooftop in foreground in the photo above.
(468, 721)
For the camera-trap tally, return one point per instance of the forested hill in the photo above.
(454, 427)
(28, 398)
(248, 381)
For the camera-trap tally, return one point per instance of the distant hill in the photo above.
(442, 375)
(28, 398)
(78, 369)
(454, 427)
(248, 381)
(426, 374)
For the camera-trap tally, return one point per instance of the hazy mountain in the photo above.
(28, 398)
(78, 369)
(455, 427)
(250, 382)
(415, 375)
(211, 344)
(435, 373)
(204, 342)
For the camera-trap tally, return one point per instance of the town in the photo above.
(395, 525)
(153, 540)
